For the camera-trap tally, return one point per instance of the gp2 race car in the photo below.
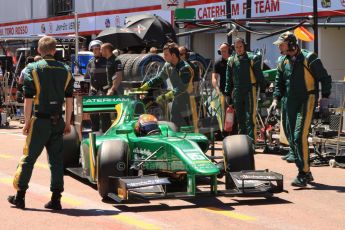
(166, 164)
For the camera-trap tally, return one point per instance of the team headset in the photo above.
(292, 42)
(229, 48)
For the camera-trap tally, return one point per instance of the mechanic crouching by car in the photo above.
(183, 109)
(96, 70)
(46, 84)
(114, 70)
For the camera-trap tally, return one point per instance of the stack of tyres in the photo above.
(140, 67)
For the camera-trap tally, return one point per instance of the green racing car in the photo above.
(161, 162)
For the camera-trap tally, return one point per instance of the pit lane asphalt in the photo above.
(319, 206)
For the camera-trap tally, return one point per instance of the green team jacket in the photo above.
(181, 77)
(48, 82)
(300, 76)
(244, 72)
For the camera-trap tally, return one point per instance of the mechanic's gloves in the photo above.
(165, 97)
(144, 87)
(273, 105)
(160, 99)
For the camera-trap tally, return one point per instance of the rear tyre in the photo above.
(71, 149)
(111, 161)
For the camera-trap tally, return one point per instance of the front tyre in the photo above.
(111, 161)
(238, 153)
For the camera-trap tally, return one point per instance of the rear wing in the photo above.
(93, 104)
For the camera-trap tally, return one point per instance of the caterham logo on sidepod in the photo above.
(99, 100)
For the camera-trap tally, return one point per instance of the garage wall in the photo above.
(84, 6)
(219, 38)
(40, 9)
(203, 43)
(331, 51)
(15, 10)
(102, 5)
(272, 52)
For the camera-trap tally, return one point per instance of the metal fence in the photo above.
(337, 94)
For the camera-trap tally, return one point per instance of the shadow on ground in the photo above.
(195, 203)
(323, 187)
(77, 211)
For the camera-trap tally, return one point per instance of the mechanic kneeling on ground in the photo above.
(96, 70)
(183, 109)
(46, 84)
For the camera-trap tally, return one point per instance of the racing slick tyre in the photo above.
(124, 58)
(238, 153)
(111, 161)
(127, 68)
(147, 66)
(71, 149)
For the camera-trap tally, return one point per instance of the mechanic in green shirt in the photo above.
(298, 75)
(243, 76)
(183, 109)
(46, 84)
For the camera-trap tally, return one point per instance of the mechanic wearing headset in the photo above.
(298, 75)
(243, 76)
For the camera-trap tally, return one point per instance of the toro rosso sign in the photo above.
(16, 30)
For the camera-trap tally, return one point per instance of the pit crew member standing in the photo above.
(183, 109)
(219, 70)
(243, 77)
(113, 70)
(96, 70)
(296, 84)
(46, 84)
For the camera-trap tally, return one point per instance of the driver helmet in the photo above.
(95, 43)
(147, 124)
